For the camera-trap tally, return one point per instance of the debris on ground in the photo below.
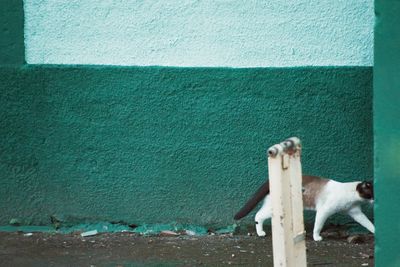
(89, 233)
(356, 239)
(168, 233)
(134, 249)
(190, 232)
(366, 256)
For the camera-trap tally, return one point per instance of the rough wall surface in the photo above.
(158, 145)
(231, 33)
(387, 132)
(12, 49)
(164, 144)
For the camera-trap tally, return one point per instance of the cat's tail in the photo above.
(252, 203)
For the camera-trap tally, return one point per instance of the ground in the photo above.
(130, 249)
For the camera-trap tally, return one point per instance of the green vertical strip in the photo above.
(12, 48)
(387, 132)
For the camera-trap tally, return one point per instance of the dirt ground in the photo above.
(129, 249)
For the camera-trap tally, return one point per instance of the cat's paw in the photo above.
(317, 237)
(261, 233)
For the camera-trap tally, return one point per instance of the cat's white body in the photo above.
(327, 198)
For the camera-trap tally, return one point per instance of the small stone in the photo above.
(89, 233)
(233, 255)
(355, 239)
(168, 233)
(190, 232)
(366, 256)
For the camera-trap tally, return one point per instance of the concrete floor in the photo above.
(128, 249)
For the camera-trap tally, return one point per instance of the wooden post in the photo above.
(285, 178)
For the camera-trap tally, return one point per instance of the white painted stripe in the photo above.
(233, 33)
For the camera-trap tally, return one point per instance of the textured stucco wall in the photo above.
(387, 132)
(158, 145)
(200, 32)
(161, 145)
(12, 49)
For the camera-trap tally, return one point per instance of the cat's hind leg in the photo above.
(320, 218)
(263, 214)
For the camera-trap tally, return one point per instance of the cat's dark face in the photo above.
(366, 190)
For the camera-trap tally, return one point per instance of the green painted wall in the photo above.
(12, 49)
(387, 132)
(157, 145)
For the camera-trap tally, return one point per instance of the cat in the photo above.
(325, 196)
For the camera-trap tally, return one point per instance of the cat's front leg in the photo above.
(357, 214)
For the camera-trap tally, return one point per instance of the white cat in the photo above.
(325, 196)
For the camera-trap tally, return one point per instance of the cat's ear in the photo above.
(368, 185)
(366, 190)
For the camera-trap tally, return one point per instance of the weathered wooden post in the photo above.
(285, 178)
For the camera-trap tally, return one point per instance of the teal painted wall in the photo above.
(163, 144)
(12, 49)
(156, 145)
(387, 132)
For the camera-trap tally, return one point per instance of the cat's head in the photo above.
(366, 190)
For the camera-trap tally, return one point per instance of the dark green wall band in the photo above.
(387, 132)
(12, 48)
(158, 145)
